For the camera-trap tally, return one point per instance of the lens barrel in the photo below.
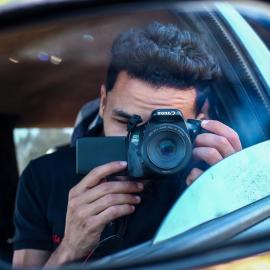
(166, 148)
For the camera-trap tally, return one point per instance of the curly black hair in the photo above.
(162, 55)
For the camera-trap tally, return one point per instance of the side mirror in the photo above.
(235, 182)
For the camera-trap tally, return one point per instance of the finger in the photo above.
(193, 175)
(96, 176)
(114, 212)
(207, 154)
(215, 141)
(105, 202)
(224, 131)
(113, 187)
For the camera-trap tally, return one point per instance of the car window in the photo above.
(32, 143)
(53, 72)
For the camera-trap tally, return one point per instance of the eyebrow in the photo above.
(121, 113)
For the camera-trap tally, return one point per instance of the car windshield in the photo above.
(178, 92)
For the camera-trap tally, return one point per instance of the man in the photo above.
(61, 218)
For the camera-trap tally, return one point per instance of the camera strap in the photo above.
(133, 121)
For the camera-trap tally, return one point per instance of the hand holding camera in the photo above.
(218, 142)
(92, 204)
(162, 146)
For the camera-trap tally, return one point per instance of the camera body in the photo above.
(161, 146)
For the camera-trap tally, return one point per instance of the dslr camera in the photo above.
(161, 146)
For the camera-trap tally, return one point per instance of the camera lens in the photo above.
(167, 148)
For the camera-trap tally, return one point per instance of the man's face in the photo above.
(133, 96)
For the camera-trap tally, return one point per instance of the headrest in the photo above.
(88, 122)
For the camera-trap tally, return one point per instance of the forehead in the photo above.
(135, 96)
